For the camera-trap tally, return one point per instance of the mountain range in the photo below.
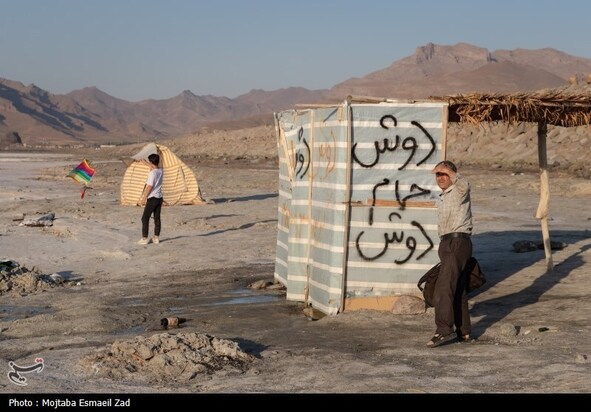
(90, 116)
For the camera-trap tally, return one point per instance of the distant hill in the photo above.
(436, 70)
(91, 116)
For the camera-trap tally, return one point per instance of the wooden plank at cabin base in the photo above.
(370, 302)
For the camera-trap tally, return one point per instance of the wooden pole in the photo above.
(542, 212)
(310, 218)
(347, 203)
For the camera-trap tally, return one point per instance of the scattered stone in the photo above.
(507, 329)
(167, 357)
(313, 314)
(552, 329)
(266, 284)
(408, 305)
(7, 263)
(44, 220)
(554, 245)
(276, 286)
(522, 246)
(56, 278)
(582, 358)
(20, 280)
(260, 284)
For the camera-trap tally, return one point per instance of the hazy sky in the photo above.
(140, 49)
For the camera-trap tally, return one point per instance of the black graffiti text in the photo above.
(396, 237)
(302, 156)
(409, 144)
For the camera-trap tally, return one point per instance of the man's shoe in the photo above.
(438, 340)
(155, 240)
(143, 241)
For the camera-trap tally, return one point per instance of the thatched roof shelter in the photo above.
(566, 107)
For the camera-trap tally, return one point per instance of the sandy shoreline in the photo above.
(209, 254)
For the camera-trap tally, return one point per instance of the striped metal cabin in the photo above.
(357, 214)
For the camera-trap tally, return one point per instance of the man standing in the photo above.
(454, 221)
(152, 200)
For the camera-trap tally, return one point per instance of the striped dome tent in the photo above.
(179, 184)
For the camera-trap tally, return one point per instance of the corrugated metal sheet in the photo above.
(357, 212)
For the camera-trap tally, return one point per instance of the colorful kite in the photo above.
(82, 173)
